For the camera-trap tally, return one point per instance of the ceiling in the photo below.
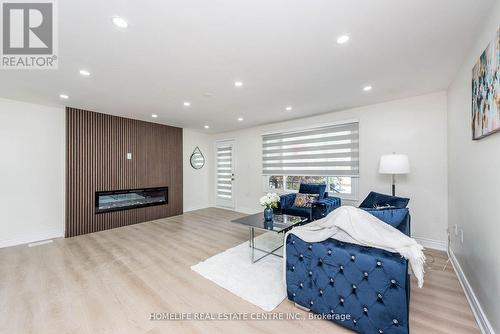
(284, 52)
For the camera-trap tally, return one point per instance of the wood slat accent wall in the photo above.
(96, 160)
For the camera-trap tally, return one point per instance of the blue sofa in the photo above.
(362, 288)
(320, 209)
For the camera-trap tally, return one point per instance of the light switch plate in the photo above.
(129, 156)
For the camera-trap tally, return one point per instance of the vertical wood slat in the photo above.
(96, 149)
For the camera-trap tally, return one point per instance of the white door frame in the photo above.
(232, 206)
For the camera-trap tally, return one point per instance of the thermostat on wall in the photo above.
(129, 156)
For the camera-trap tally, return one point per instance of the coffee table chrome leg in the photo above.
(266, 253)
(252, 243)
(250, 238)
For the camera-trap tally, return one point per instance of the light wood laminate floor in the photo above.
(111, 281)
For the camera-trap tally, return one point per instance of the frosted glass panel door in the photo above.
(225, 174)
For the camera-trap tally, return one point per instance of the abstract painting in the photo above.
(486, 91)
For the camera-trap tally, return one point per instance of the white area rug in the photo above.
(259, 283)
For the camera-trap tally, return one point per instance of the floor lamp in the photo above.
(394, 164)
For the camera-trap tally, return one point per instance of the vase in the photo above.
(268, 214)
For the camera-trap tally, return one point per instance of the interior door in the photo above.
(225, 173)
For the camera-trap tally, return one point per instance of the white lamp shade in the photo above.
(394, 164)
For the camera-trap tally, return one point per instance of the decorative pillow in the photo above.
(313, 188)
(393, 217)
(375, 200)
(305, 200)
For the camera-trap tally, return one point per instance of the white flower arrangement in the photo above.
(270, 200)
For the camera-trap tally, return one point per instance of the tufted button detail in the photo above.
(326, 264)
(332, 311)
(381, 331)
(293, 242)
(310, 247)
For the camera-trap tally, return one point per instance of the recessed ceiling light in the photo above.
(367, 88)
(64, 96)
(85, 73)
(154, 115)
(207, 127)
(288, 108)
(240, 119)
(342, 39)
(187, 104)
(120, 22)
(238, 83)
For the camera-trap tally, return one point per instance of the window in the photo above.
(339, 186)
(328, 155)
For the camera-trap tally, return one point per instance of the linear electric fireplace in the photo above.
(106, 201)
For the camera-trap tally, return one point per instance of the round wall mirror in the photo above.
(197, 159)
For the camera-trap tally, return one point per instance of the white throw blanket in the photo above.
(353, 225)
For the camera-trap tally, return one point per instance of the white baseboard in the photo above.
(194, 208)
(482, 320)
(240, 209)
(432, 244)
(29, 238)
(248, 211)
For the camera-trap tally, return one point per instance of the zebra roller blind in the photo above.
(225, 171)
(330, 151)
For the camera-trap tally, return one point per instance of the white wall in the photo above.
(32, 148)
(416, 126)
(474, 184)
(196, 181)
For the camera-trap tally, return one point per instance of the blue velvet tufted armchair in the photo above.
(319, 209)
(365, 289)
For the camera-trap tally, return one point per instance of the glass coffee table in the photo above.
(280, 224)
